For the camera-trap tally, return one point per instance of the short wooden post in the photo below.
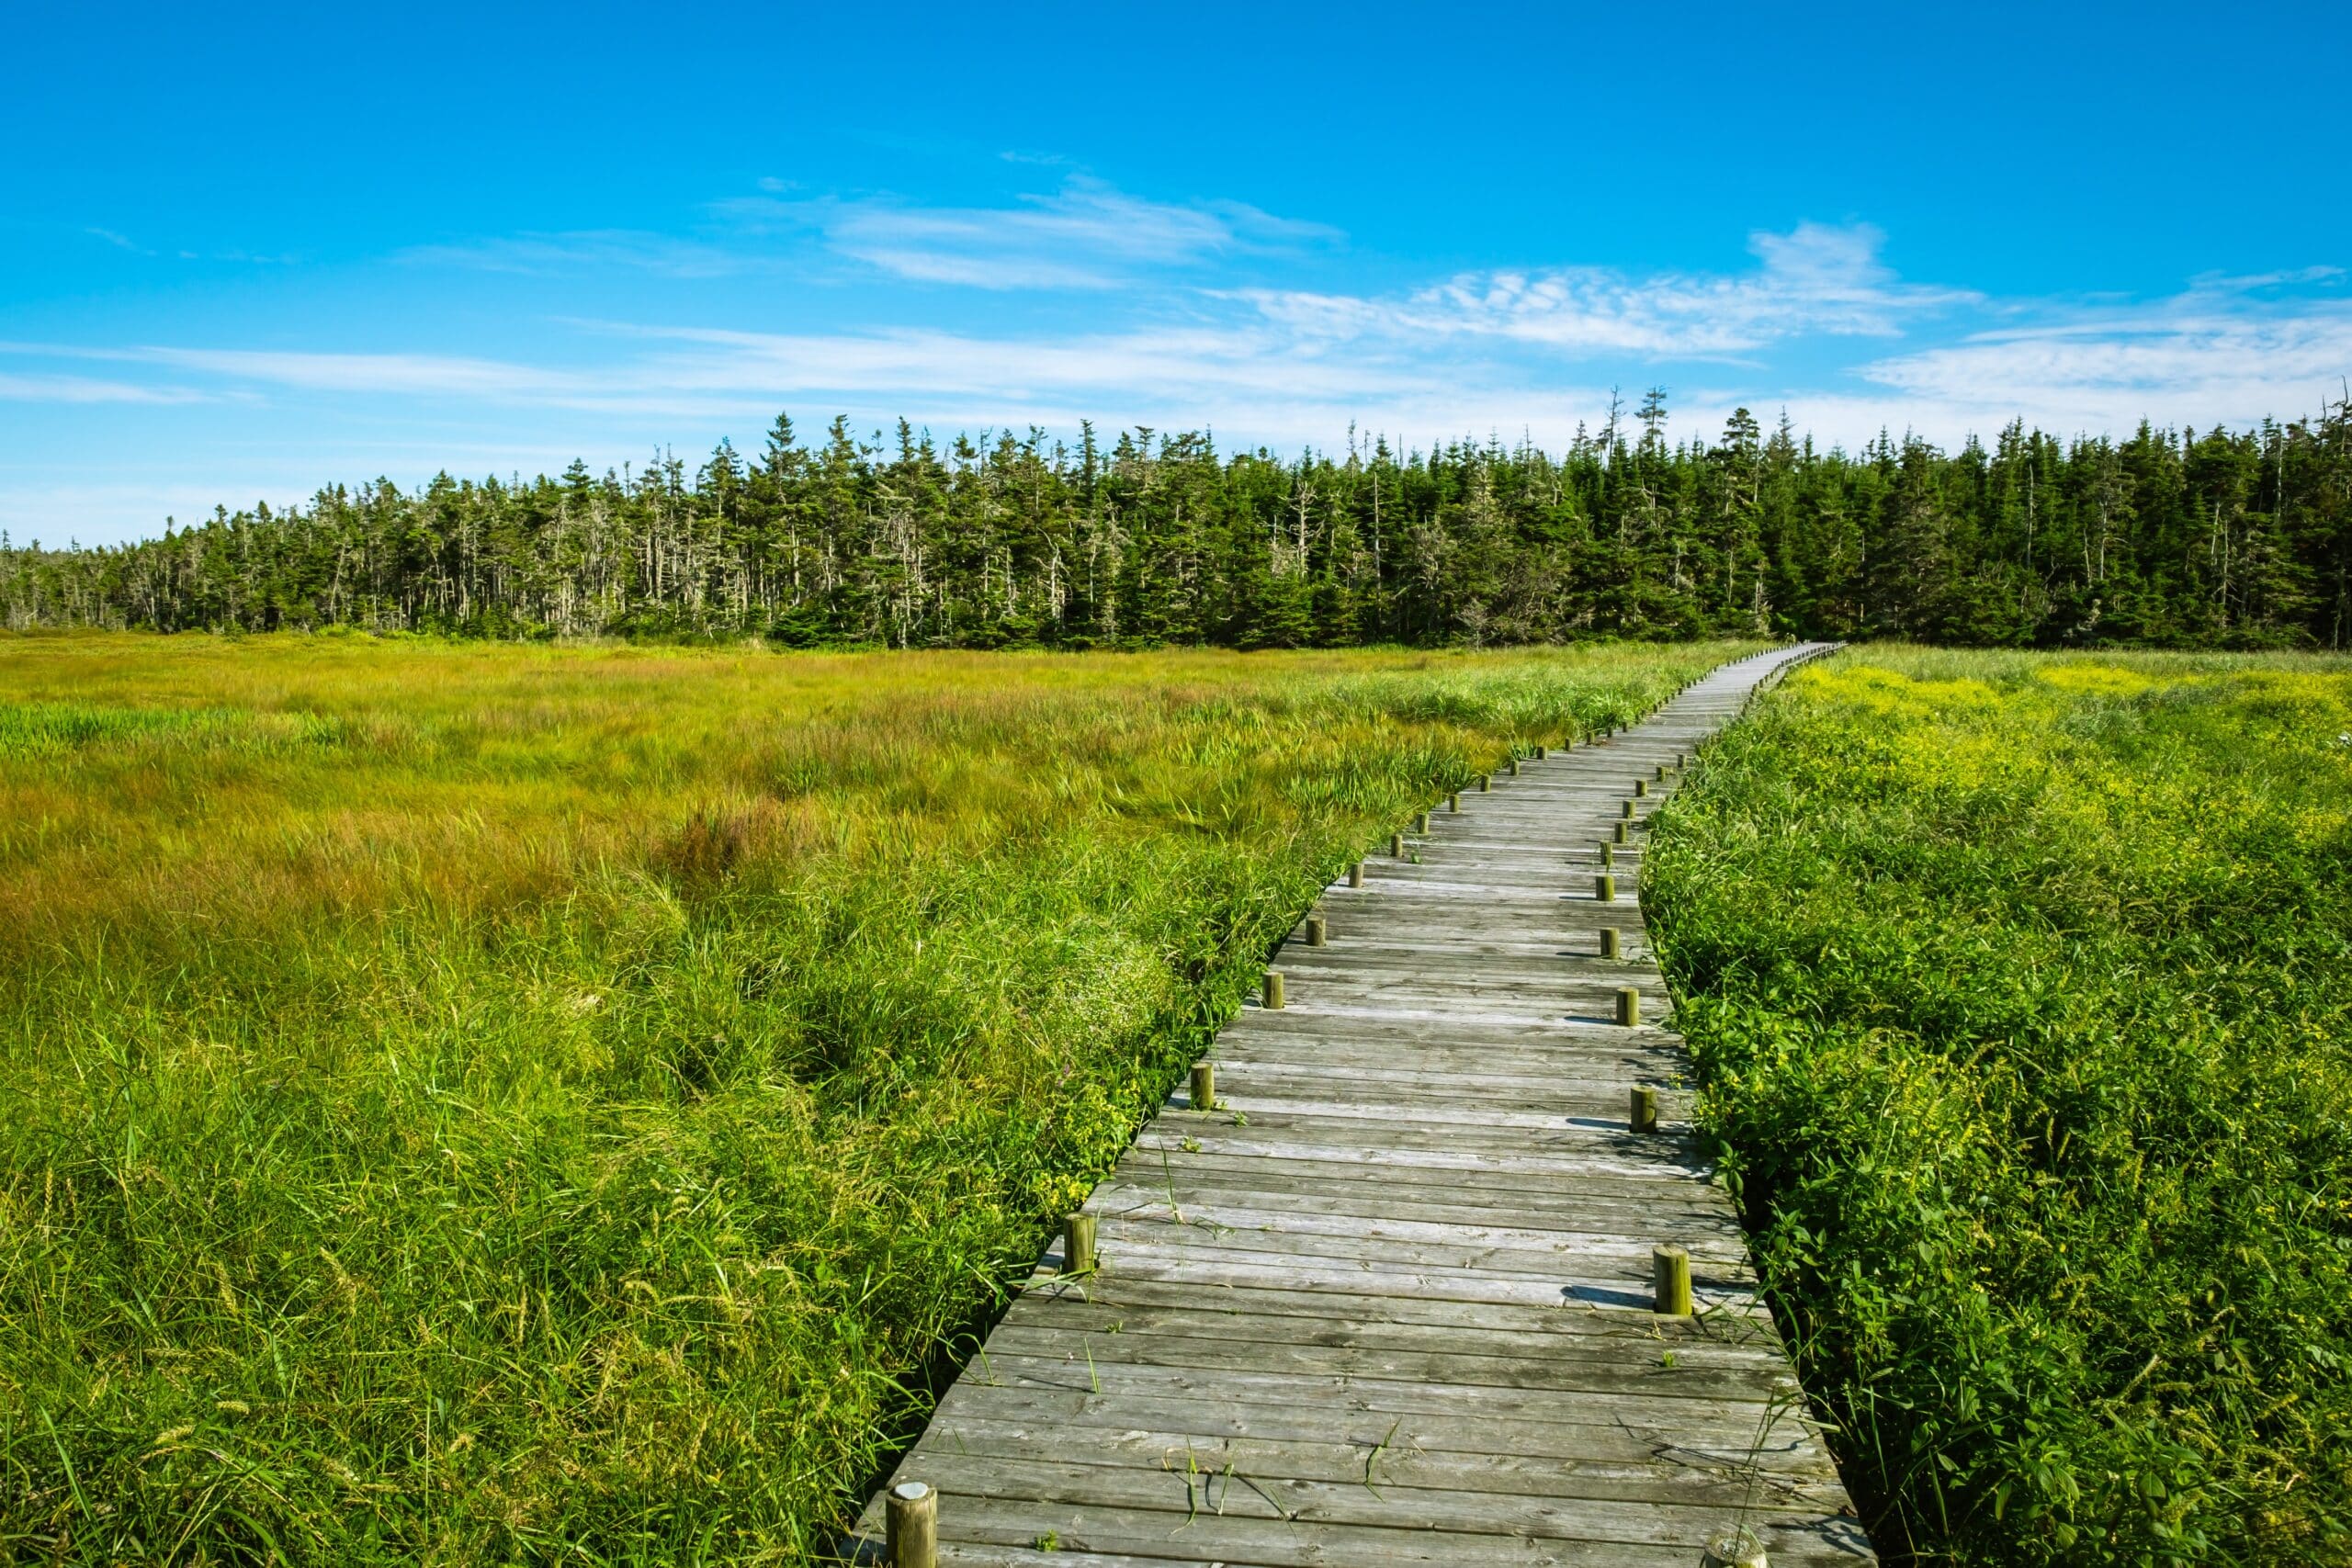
(1629, 811)
(1609, 946)
(1541, 752)
(1682, 760)
(1421, 824)
(1397, 845)
(1271, 992)
(1629, 1006)
(1621, 832)
(1486, 782)
(1319, 931)
(1355, 874)
(1453, 801)
(1661, 771)
(1609, 855)
(1734, 1548)
(913, 1510)
(1643, 1118)
(1641, 787)
(1514, 767)
(1078, 1243)
(1670, 1281)
(1204, 1086)
(1604, 889)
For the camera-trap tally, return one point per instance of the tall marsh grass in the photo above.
(2021, 987)
(481, 1103)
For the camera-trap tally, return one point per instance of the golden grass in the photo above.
(480, 1103)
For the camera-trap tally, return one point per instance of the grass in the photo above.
(2020, 988)
(476, 1103)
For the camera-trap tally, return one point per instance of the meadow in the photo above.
(2021, 988)
(475, 1103)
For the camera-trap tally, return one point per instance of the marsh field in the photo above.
(471, 1102)
(2021, 988)
(478, 1103)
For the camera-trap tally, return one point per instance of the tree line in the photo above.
(2175, 539)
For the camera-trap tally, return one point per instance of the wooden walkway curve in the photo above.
(1389, 1300)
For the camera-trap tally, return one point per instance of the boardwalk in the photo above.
(1389, 1300)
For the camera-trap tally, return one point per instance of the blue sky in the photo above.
(241, 258)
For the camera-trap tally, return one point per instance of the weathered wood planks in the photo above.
(1388, 1300)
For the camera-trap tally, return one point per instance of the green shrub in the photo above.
(2020, 990)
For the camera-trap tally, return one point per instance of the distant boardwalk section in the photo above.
(1429, 1272)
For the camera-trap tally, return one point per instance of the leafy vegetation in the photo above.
(474, 1103)
(2020, 988)
(2173, 538)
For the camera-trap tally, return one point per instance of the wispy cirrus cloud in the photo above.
(1817, 280)
(543, 254)
(2211, 349)
(56, 389)
(1087, 235)
(422, 375)
(1533, 348)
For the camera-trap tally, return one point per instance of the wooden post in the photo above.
(1621, 832)
(1641, 787)
(1670, 1281)
(1514, 767)
(1604, 889)
(913, 1511)
(1608, 855)
(1078, 1243)
(1735, 1548)
(1609, 942)
(1319, 931)
(1486, 782)
(1355, 874)
(1271, 992)
(1629, 1006)
(1661, 771)
(1421, 824)
(1453, 801)
(1629, 811)
(1397, 845)
(1204, 1086)
(1541, 752)
(1644, 1115)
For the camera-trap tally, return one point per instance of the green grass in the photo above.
(477, 1103)
(2021, 990)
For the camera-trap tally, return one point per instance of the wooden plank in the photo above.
(1393, 1456)
(1131, 1306)
(1775, 1446)
(1388, 1301)
(1137, 1508)
(1346, 1401)
(1585, 1204)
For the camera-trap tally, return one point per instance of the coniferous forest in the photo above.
(2169, 538)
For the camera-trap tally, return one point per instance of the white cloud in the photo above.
(1494, 351)
(48, 389)
(537, 255)
(2207, 356)
(1086, 235)
(1815, 280)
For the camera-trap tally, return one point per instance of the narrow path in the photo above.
(1389, 1299)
